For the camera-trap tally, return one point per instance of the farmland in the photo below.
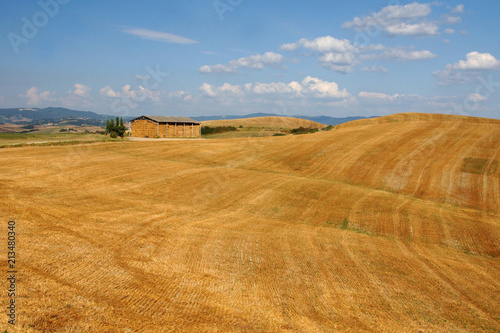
(259, 126)
(388, 225)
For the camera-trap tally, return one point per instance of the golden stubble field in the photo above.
(269, 122)
(380, 225)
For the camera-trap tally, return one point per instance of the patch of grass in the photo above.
(479, 166)
(344, 225)
(279, 134)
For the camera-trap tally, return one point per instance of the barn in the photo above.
(164, 127)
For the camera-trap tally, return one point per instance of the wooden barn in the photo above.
(164, 127)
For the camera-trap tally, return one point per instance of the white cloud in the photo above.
(399, 54)
(465, 71)
(458, 9)
(446, 41)
(80, 90)
(375, 69)
(289, 47)
(225, 90)
(327, 44)
(159, 36)
(417, 29)
(309, 87)
(335, 54)
(108, 92)
(34, 97)
(138, 95)
(340, 62)
(475, 60)
(181, 94)
(381, 97)
(397, 20)
(452, 19)
(256, 61)
(274, 88)
(208, 90)
(320, 88)
(449, 31)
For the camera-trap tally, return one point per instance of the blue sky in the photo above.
(214, 57)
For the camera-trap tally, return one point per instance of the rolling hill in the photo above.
(265, 122)
(380, 225)
(14, 115)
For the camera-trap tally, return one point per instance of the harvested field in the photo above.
(384, 225)
(265, 122)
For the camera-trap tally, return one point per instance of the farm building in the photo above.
(165, 127)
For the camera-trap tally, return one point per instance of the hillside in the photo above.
(265, 122)
(326, 120)
(381, 225)
(14, 115)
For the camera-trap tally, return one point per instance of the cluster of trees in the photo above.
(115, 128)
(302, 130)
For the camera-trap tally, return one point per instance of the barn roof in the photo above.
(161, 119)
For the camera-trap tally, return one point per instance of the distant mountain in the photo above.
(327, 120)
(27, 115)
(18, 115)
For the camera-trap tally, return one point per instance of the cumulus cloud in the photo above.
(323, 44)
(289, 47)
(108, 92)
(380, 97)
(225, 90)
(335, 54)
(458, 9)
(397, 20)
(138, 95)
(465, 71)
(308, 87)
(340, 62)
(417, 29)
(319, 88)
(449, 31)
(342, 55)
(80, 90)
(476, 60)
(35, 97)
(158, 36)
(256, 61)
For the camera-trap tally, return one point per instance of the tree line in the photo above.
(115, 128)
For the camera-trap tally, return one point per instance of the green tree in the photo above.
(111, 126)
(120, 128)
(108, 127)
